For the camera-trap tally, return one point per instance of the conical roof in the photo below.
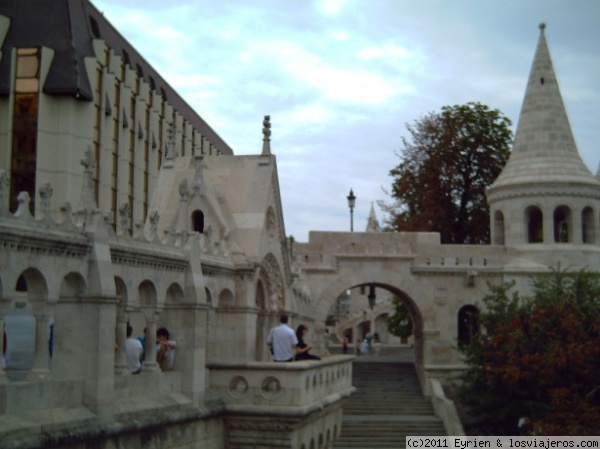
(544, 150)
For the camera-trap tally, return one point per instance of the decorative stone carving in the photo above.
(154, 218)
(87, 203)
(171, 153)
(266, 150)
(271, 388)
(23, 212)
(184, 190)
(46, 192)
(123, 219)
(238, 387)
(138, 231)
(272, 273)
(66, 217)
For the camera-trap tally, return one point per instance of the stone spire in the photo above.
(373, 223)
(544, 149)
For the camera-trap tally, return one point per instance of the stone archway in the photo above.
(391, 282)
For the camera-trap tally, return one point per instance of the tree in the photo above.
(400, 323)
(537, 358)
(440, 184)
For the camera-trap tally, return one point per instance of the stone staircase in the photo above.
(387, 406)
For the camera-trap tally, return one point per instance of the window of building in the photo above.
(198, 221)
(498, 237)
(25, 126)
(115, 155)
(468, 324)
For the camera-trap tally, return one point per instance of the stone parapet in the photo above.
(287, 388)
(301, 400)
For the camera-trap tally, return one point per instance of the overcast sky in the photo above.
(342, 78)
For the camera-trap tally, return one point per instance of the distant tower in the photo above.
(545, 195)
(373, 223)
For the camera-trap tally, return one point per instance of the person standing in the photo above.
(345, 345)
(133, 352)
(357, 347)
(142, 340)
(364, 349)
(283, 341)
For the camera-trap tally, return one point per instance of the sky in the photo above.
(341, 79)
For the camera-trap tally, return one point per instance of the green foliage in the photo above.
(400, 323)
(538, 357)
(440, 184)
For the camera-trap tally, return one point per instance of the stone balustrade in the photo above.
(302, 400)
(290, 388)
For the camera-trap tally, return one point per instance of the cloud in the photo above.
(330, 7)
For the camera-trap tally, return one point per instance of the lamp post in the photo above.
(351, 203)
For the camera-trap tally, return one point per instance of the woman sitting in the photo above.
(302, 348)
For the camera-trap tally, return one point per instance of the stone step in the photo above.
(387, 406)
(382, 410)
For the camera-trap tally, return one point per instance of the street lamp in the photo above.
(372, 297)
(351, 203)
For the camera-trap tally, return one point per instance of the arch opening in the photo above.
(534, 220)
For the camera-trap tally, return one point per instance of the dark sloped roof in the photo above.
(36, 23)
(69, 27)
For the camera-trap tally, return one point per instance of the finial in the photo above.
(542, 27)
(266, 135)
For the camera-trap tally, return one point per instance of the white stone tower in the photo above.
(545, 196)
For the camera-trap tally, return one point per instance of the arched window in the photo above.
(498, 237)
(588, 230)
(535, 224)
(562, 225)
(468, 324)
(198, 221)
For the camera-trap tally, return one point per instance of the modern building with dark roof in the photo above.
(69, 81)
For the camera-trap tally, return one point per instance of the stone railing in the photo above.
(290, 388)
(445, 409)
(296, 404)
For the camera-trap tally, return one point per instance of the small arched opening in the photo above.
(198, 221)
(562, 225)
(588, 228)
(534, 224)
(468, 324)
(498, 237)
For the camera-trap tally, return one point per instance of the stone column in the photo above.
(548, 223)
(98, 321)
(577, 231)
(151, 365)
(120, 337)
(191, 357)
(3, 378)
(40, 361)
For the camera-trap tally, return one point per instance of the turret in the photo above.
(545, 195)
